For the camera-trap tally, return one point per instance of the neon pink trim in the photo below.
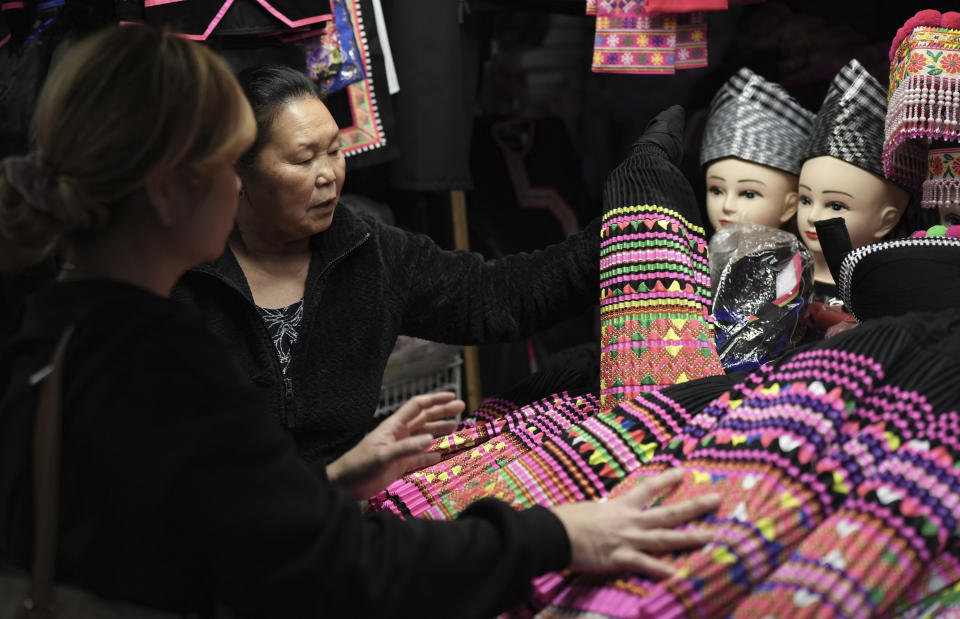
(293, 24)
(4, 40)
(6, 6)
(313, 32)
(129, 23)
(149, 3)
(212, 25)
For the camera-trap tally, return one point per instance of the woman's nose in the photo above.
(324, 173)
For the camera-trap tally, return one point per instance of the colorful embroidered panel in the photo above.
(941, 187)
(654, 302)
(924, 100)
(366, 133)
(631, 39)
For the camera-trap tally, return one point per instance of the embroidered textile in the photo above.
(924, 98)
(941, 187)
(655, 322)
(630, 39)
(333, 59)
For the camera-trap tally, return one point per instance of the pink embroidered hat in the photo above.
(924, 96)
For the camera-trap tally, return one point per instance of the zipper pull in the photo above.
(287, 389)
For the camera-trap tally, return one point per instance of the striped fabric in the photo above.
(758, 121)
(656, 327)
(849, 125)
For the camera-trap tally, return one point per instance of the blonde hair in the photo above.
(123, 104)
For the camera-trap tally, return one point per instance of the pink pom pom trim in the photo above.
(926, 17)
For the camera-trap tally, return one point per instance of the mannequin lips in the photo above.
(724, 222)
(812, 235)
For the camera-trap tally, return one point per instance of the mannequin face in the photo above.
(741, 191)
(950, 215)
(870, 205)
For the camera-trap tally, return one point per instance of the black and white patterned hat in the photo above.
(757, 121)
(849, 125)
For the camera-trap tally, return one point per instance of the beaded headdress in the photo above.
(849, 125)
(757, 121)
(924, 103)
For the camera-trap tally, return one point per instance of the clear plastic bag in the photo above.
(762, 280)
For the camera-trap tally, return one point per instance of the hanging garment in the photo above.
(436, 62)
(631, 39)
(363, 109)
(199, 19)
(333, 57)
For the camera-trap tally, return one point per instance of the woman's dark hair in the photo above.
(268, 88)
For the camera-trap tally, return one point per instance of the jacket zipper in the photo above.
(287, 382)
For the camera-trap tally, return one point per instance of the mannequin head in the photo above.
(752, 149)
(743, 191)
(950, 215)
(869, 204)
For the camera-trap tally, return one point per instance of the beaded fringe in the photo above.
(940, 192)
(923, 106)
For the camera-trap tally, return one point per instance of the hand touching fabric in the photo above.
(396, 446)
(622, 533)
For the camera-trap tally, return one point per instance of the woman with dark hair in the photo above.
(342, 286)
(176, 490)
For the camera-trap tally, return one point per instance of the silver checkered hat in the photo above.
(849, 125)
(757, 121)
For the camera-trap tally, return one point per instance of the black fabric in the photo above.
(834, 243)
(241, 16)
(896, 280)
(650, 174)
(367, 284)
(575, 370)
(436, 62)
(178, 491)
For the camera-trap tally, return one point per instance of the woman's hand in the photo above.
(397, 445)
(617, 535)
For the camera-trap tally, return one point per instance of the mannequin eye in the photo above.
(837, 206)
(805, 201)
(750, 194)
(715, 191)
(951, 219)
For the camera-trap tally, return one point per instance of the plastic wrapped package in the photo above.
(762, 282)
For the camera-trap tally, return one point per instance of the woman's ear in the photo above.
(171, 194)
(790, 202)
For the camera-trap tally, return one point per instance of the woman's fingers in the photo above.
(660, 541)
(653, 487)
(630, 560)
(412, 445)
(421, 460)
(436, 412)
(439, 428)
(672, 515)
(419, 403)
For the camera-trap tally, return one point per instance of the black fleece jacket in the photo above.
(367, 284)
(177, 490)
